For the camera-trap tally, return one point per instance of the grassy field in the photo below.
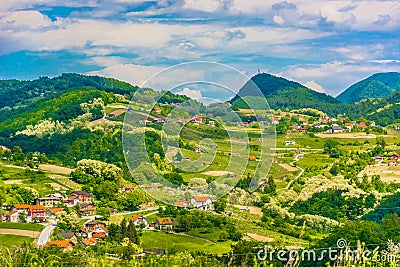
(14, 240)
(21, 226)
(175, 243)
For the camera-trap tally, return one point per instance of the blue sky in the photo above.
(326, 45)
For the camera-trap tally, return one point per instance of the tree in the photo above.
(178, 156)
(104, 212)
(220, 205)
(131, 233)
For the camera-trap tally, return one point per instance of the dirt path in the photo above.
(13, 182)
(33, 234)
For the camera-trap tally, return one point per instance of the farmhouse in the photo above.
(138, 219)
(164, 223)
(201, 202)
(21, 208)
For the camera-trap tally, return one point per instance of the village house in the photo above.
(201, 202)
(395, 157)
(50, 201)
(337, 129)
(68, 235)
(64, 245)
(82, 197)
(37, 211)
(274, 160)
(52, 212)
(138, 219)
(92, 226)
(372, 124)
(164, 223)
(349, 126)
(89, 242)
(21, 208)
(182, 204)
(362, 125)
(157, 110)
(87, 208)
(12, 216)
(275, 121)
(196, 120)
(128, 188)
(392, 162)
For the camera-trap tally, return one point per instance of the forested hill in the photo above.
(282, 93)
(378, 85)
(21, 93)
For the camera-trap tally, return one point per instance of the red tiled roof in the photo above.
(135, 217)
(59, 243)
(21, 206)
(103, 228)
(56, 210)
(180, 204)
(90, 241)
(164, 221)
(36, 208)
(99, 235)
(200, 199)
(11, 213)
(128, 186)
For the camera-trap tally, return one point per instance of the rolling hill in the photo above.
(378, 85)
(282, 93)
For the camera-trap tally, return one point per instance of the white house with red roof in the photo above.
(201, 202)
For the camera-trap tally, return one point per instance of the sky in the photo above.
(325, 45)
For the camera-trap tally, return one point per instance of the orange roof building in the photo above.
(65, 245)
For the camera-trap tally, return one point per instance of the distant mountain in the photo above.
(282, 93)
(376, 86)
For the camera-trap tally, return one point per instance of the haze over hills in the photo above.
(376, 86)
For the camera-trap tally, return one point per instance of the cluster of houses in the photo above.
(46, 207)
(394, 160)
(332, 125)
(196, 119)
(93, 232)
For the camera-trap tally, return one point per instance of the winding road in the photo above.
(45, 235)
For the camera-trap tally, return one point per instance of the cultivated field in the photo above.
(55, 169)
(387, 173)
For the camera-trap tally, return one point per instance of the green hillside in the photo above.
(282, 93)
(376, 86)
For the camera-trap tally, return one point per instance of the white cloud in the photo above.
(314, 86)
(131, 73)
(204, 5)
(193, 94)
(26, 19)
(278, 20)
